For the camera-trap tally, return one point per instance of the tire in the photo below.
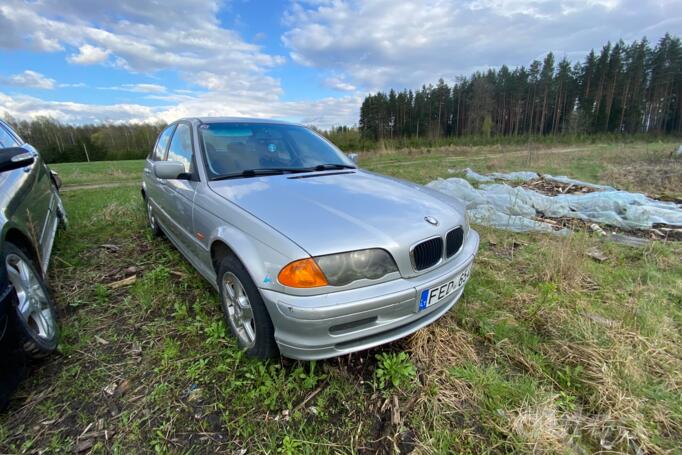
(151, 219)
(244, 310)
(33, 318)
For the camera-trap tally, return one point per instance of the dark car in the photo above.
(31, 210)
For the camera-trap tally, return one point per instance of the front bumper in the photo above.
(329, 325)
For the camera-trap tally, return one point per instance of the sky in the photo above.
(309, 61)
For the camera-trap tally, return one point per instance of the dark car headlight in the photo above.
(344, 268)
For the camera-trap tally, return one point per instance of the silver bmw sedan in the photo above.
(312, 256)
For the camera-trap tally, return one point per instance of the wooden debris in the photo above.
(124, 282)
(85, 444)
(110, 389)
(553, 188)
(101, 340)
(122, 388)
(395, 412)
(596, 254)
(311, 396)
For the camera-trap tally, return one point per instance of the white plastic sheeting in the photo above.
(525, 176)
(569, 181)
(513, 208)
(522, 176)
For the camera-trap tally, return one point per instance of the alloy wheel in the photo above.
(32, 302)
(239, 311)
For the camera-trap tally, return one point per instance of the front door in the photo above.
(179, 193)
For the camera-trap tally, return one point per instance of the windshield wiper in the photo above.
(259, 172)
(331, 166)
(282, 170)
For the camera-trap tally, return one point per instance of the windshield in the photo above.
(238, 148)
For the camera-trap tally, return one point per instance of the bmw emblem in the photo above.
(431, 220)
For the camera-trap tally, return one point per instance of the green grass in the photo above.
(99, 172)
(548, 350)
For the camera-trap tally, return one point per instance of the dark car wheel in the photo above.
(151, 219)
(244, 310)
(33, 315)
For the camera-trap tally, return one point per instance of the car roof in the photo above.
(238, 120)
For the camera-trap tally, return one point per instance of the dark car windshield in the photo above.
(234, 149)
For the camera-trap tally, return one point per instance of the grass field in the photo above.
(548, 351)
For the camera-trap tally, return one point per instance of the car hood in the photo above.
(333, 212)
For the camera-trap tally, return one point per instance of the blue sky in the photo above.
(311, 61)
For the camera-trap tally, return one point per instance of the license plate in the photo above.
(434, 295)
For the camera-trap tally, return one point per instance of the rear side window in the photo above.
(181, 147)
(6, 139)
(162, 143)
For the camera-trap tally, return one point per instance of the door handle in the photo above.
(147, 172)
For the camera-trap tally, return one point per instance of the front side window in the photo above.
(181, 146)
(6, 139)
(162, 143)
(233, 148)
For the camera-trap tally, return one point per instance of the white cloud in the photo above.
(29, 79)
(138, 88)
(27, 107)
(143, 36)
(74, 85)
(337, 83)
(323, 113)
(377, 44)
(89, 55)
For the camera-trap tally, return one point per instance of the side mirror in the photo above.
(353, 157)
(15, 158)
(168, 170)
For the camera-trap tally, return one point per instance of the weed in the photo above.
(215, 331)
(101, 293)
(309, 378)
(394, 370)
(289, 446)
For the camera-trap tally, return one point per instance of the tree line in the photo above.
(58, 142)
(625, 88)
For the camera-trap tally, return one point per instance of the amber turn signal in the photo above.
(303, 273)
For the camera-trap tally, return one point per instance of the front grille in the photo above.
(453, 241)
(427, 253)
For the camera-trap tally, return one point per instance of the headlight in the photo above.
(344, 268)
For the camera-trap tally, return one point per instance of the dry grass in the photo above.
(563, 262)
(436, 349)
(542, 428)
(119, 210)
(658, 177)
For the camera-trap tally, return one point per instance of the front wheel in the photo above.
(34, 319)
(244, 310)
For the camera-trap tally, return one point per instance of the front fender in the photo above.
(261, 261)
